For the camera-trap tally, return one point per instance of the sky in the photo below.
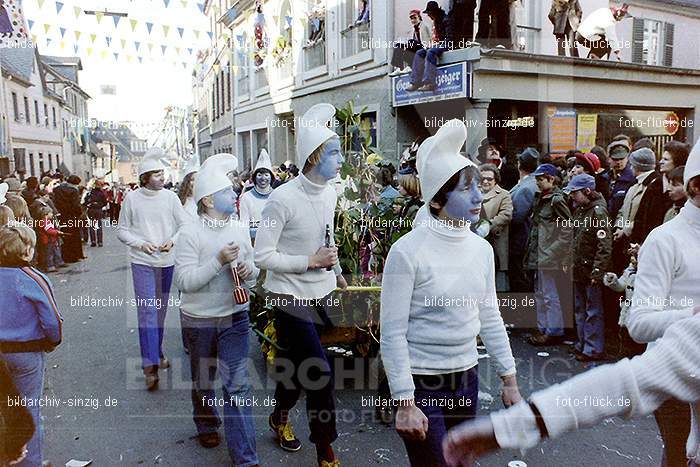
(143, 90)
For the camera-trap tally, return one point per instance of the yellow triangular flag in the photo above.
(216, 67)
(34, 38)
(134, 22)
(77, 11)
(177, 49)
(166, 30)
(150, 46)
(184, 3)
(104, 53)
(41, 3)
(99, 15)
(77, 35)
(129, 58)
(123, 44)
(196, 33)
(63, 44)
(93, 37)
(47, 28)
(89, 51)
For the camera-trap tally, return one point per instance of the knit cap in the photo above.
(643, 159)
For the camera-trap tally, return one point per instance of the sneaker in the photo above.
(395, 72)
(164, 362)
(406, 70)
(413, 87)
(427, 87)
(209, 440)
(99, 245)
(285, 436)
(93, 244)
(152, 381)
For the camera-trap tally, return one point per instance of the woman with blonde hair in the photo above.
(19, 208)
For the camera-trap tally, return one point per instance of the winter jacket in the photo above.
(602, 184)
(497, 208)
(565, 12)
(29, 317)
(66, 197)
(618, 190)
(442, 30)
(549, 242)
(592, 245)
(652, 208)
(95, 202)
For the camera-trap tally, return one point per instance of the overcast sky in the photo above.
(142, 90)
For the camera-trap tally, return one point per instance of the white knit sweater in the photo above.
(206, 285)
(292, 228)
(438, 294)
(154, 217)
(668, 275)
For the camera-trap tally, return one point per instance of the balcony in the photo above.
(315, 54)
(355, 39)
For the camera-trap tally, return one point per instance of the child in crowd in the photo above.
(676, 192)
(591, 258)
(624, 283)
(50, 238)
(30, 323)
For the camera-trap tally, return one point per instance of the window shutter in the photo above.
(668, 44)
(638, 40)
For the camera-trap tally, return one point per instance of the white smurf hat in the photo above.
(312, 131)
(212, 177)
(190, 166)
(155, 159)
(4, 187)
(264, 161)
(224, 161)
(439, 157)
(692, 165)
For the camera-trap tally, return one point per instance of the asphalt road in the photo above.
(103, 413)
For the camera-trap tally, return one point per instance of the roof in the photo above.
(121, 137)
(18, 61)
(67, 67)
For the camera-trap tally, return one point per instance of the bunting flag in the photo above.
(30, 23)
(166, 30)
(184, 3)
(163, 48)
(35, 38)
(77, 36)
(75, 49)
(116, 56)
(210, 34)
(216, 68)
(177, 50)
(63, 31)
(99, 15)
(197, 32)
(116, 19)
(189, 50)
(123, 42)
(47, 28)
(150, 47)
(108, 40)
(133, 25)
(137, 46)
(167, 2)
(77, 10)
(149, 26)
(62, 44)
(59, 7)
(140, 59)
(103, 54)
(181, 31)
(89, 51)
(48, 42)
(201, 7)
(41, 3)
(93, 37)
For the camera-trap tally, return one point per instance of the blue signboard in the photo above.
(453, 82)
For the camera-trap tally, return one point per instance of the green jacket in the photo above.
(549, 242)
(592, 241)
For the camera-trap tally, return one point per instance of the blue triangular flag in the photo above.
(31, 23)
(137, 45)
(63, 31)
(48, 42)
(181, 31)
(201, 7)
(163, 48)
(189, 50)
(75, 48)
(116, 20)
(108, 40)
(211, 34)
(116, 56)
(149, 26)
(140, 59)
(167, 2)
(59, 7)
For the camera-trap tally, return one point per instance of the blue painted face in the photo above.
(331, 160)
(464, 202)
(225, 201)
(262, 179)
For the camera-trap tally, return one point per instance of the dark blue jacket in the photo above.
(29, 317)
(618, 190)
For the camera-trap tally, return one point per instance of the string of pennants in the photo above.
(185, 3)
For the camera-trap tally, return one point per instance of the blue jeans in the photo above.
(447, 400)
(550, 319)
(589, 318)
(27, 370)
(152, 289)
(53, 255)
(96, 230)
(222, 343)
(424, 68)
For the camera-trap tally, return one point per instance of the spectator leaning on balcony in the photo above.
(565, 16)
(424, 69)
(461, 16)
(597, 32)
(405, 52)
(496, 21)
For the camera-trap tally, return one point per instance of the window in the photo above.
(36, 112)
(355, 27)
(31, 164)
(27, 115)
(46, 115)
(244, 66)
(41, 163)
(528, 27)
(244, 148)
(260, 138)
(216, 97)
(50, 162)
(15, 106)
(53, 111)
(315, 45)
(228, 88)
(652, 42)
(58, 161)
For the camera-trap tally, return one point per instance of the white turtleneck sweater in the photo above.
(292, 228)
(669, 269)
(206, 284)
(154, 217)
(251, 206)
(438, 294)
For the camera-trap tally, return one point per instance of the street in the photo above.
(98, 409)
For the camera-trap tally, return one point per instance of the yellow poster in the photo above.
(587, 129)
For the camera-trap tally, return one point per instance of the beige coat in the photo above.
(497, 208)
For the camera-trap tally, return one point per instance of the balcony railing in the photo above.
(315, 54)
(260, 78)
(355, 39)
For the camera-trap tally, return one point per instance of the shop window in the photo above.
(652, 42)
(355, 34)
(315, 45)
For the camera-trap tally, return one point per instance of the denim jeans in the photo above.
(222, 344)
(53, 255)
(96, 230)
(590, 324)
(550, 319)
(152, 289)
(447, 400)
(298, 329)
(424, 69)
(27, 370)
